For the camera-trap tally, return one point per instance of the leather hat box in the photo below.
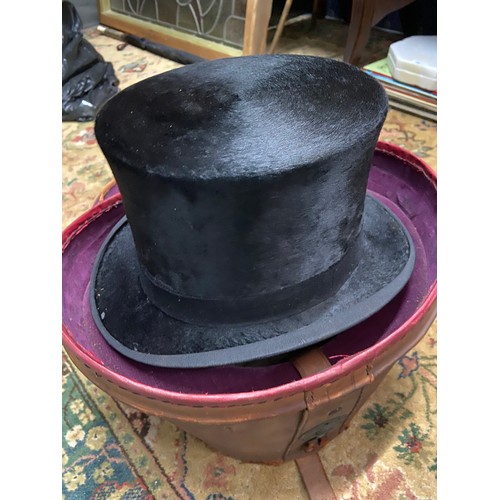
(285, 409)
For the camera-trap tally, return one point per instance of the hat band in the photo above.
(273, 305)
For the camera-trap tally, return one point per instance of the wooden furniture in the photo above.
(364, 15)
(248, 22)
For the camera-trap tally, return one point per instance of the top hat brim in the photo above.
(139, 330)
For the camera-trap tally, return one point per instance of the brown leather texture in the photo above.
(314, 477)
(280, 429)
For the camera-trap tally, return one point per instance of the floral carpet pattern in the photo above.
(112, 451)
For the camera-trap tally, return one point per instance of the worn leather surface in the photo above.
(315, 479)
(272, 430)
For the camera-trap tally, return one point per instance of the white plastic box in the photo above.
(413, 60)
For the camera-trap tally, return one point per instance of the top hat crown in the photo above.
(248, 229)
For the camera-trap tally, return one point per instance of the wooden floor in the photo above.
(328, 38)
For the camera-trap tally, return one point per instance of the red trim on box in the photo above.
(341, 369)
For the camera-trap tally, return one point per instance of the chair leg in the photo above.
(359, 30)
(318, 11)
(281, 24)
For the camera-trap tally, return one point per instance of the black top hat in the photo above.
(248, 231)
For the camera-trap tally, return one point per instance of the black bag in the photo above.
(87, 80)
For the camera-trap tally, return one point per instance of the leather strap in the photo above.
(310, 467)
(311, 362)
(314, 476)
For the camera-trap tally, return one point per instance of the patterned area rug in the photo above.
(112, 451)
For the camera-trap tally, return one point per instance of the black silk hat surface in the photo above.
(248, 232)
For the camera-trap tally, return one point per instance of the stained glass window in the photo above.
(221, 21)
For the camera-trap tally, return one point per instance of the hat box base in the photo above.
(262, 413)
